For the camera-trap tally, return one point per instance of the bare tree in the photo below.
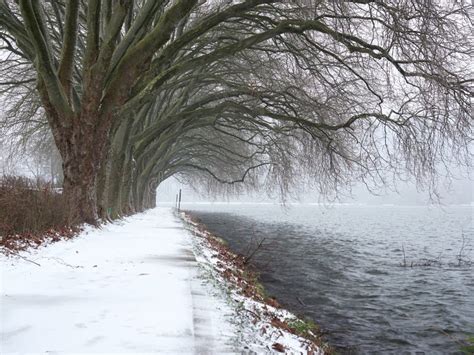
(327, 90)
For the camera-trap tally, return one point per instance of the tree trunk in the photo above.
(114, 181)
(117, 159)
(79, 188)
(83, 153)
(126, 187)
(103, 190)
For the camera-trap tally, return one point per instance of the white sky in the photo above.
(460, 192)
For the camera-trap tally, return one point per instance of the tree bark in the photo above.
(126, 187)
(83, 152)
(103, 189)
(79, 188)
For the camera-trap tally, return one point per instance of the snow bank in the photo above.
(141, 285)
(132, 286)
(265, 328)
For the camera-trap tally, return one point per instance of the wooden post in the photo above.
(179, 201)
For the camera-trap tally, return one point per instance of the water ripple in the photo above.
(341, 267)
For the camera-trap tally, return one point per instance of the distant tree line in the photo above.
(273, 93)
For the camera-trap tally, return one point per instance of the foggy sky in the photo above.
(460, 192)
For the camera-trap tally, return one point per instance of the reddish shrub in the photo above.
(30, 209)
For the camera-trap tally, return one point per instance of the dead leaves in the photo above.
(24, 241)
(278, 347)
(273, 302)
(277, 323)
(234, 271)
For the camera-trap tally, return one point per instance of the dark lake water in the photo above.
(340, 266)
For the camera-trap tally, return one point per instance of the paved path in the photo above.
(133, 286)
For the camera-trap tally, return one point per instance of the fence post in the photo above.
(179, 201)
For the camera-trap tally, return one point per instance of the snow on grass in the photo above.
(144, 284)
(132, 286)
(266, 328)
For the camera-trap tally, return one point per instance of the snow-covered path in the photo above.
(133, 286)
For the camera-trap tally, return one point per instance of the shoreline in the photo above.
(212, 302)
(132, 286)
(274, 324)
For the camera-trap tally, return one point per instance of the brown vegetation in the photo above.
(31, 213)
(240, 276)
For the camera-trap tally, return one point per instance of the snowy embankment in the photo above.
(143, 284)
(266, 326)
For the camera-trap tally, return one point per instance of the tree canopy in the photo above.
(275, 93)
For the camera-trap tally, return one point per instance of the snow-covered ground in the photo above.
(132, 286)
(265, 327)
(140, 285)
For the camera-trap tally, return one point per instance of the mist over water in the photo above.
(340, 266)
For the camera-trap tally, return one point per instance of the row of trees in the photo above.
(273, 93)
